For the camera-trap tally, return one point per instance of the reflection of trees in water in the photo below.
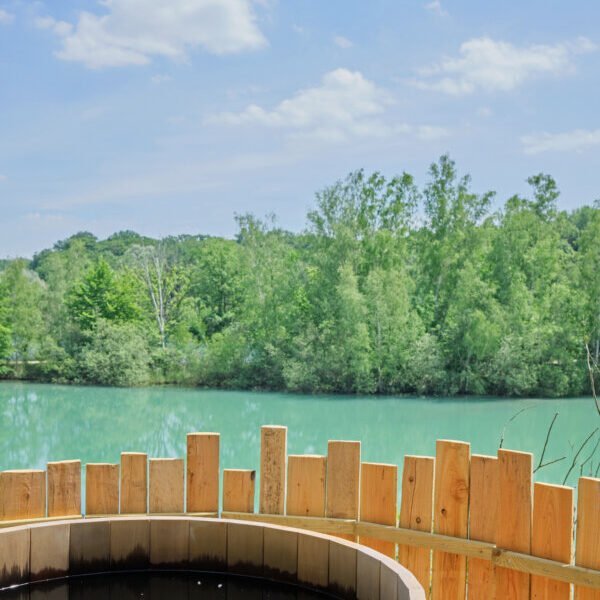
(39, 423)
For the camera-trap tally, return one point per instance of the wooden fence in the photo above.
(468, 526)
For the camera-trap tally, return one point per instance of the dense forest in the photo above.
(389, 289)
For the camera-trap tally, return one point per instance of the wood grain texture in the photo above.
(64, 488)
(203, 472)
(513, 527)
(587, 553)
(378, 501)
(273, 452)
(306, 485)
(134, 483)
(22, 494)
(416, 512)
(451, 517)
(552, 536)
(343, 481)
(101, 489)
(166, 485)
(482, 523)
(238, 490)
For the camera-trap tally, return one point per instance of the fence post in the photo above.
(587, 552)
(101, 489)
(203, 472)
(306, 485)
(513, 530)
(64, 488)
(343, 481)
(134, 483)
(552, 536)
(238, 490)
(416, 512)
(22, 494)
(483, 515)
(166, 485)
(378, 501)
(273, 451)
(451, 517)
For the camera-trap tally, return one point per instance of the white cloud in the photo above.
(6, 18)
(132, 32)
(345, 105)
(490, 65)
(436, 8)
(3, 178)
(485, 112)
(577, 140)
(342, 42)
(345, 102)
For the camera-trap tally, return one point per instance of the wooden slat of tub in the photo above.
(552, 536)
(482, 523)
(101, 489)
(587, 553)
(513, 527)
(166, 485)
(134, 483)
(64, 488)
(378, 501)
(203, 472)
(238, 490)
(451, 513)
(306, 485)
(22, 494)
(343, 481)
(273, 452)
(416, 512)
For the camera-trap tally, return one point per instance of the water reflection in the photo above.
(39, 423)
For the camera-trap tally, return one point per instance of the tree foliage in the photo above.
(391, 288)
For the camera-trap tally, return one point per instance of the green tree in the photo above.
(102, 294)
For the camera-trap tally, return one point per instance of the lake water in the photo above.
(39, 423)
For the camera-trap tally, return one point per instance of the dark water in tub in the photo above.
(160, 586)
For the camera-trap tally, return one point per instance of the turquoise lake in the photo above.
(39, 423)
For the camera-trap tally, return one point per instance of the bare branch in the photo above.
(587, 439)
(540, 464)
(590, 365)
(511, 420)
(549, 463)
(589, 457)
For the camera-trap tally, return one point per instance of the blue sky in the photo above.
(171, 117)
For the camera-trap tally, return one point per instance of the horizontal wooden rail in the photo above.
(410, 537)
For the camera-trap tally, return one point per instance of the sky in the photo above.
(173, 117)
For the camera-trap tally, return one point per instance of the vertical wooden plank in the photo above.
(482, 523)
(166, 485)
(451, 516)
(273, 450)
(343, 481)
(306, 485)
(101, 489)
(513, 528)
(238, 490)
(552, 536)
(134, 483)
(64, 488)
(203, 472)
(378, 501)
(22, 494)
(416, 512)
(587, 552)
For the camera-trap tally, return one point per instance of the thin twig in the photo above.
(550, 463)
(540, 465)
(587, 439)
(590, 362)
(597, 470)
(590, 456)
(511, 420)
